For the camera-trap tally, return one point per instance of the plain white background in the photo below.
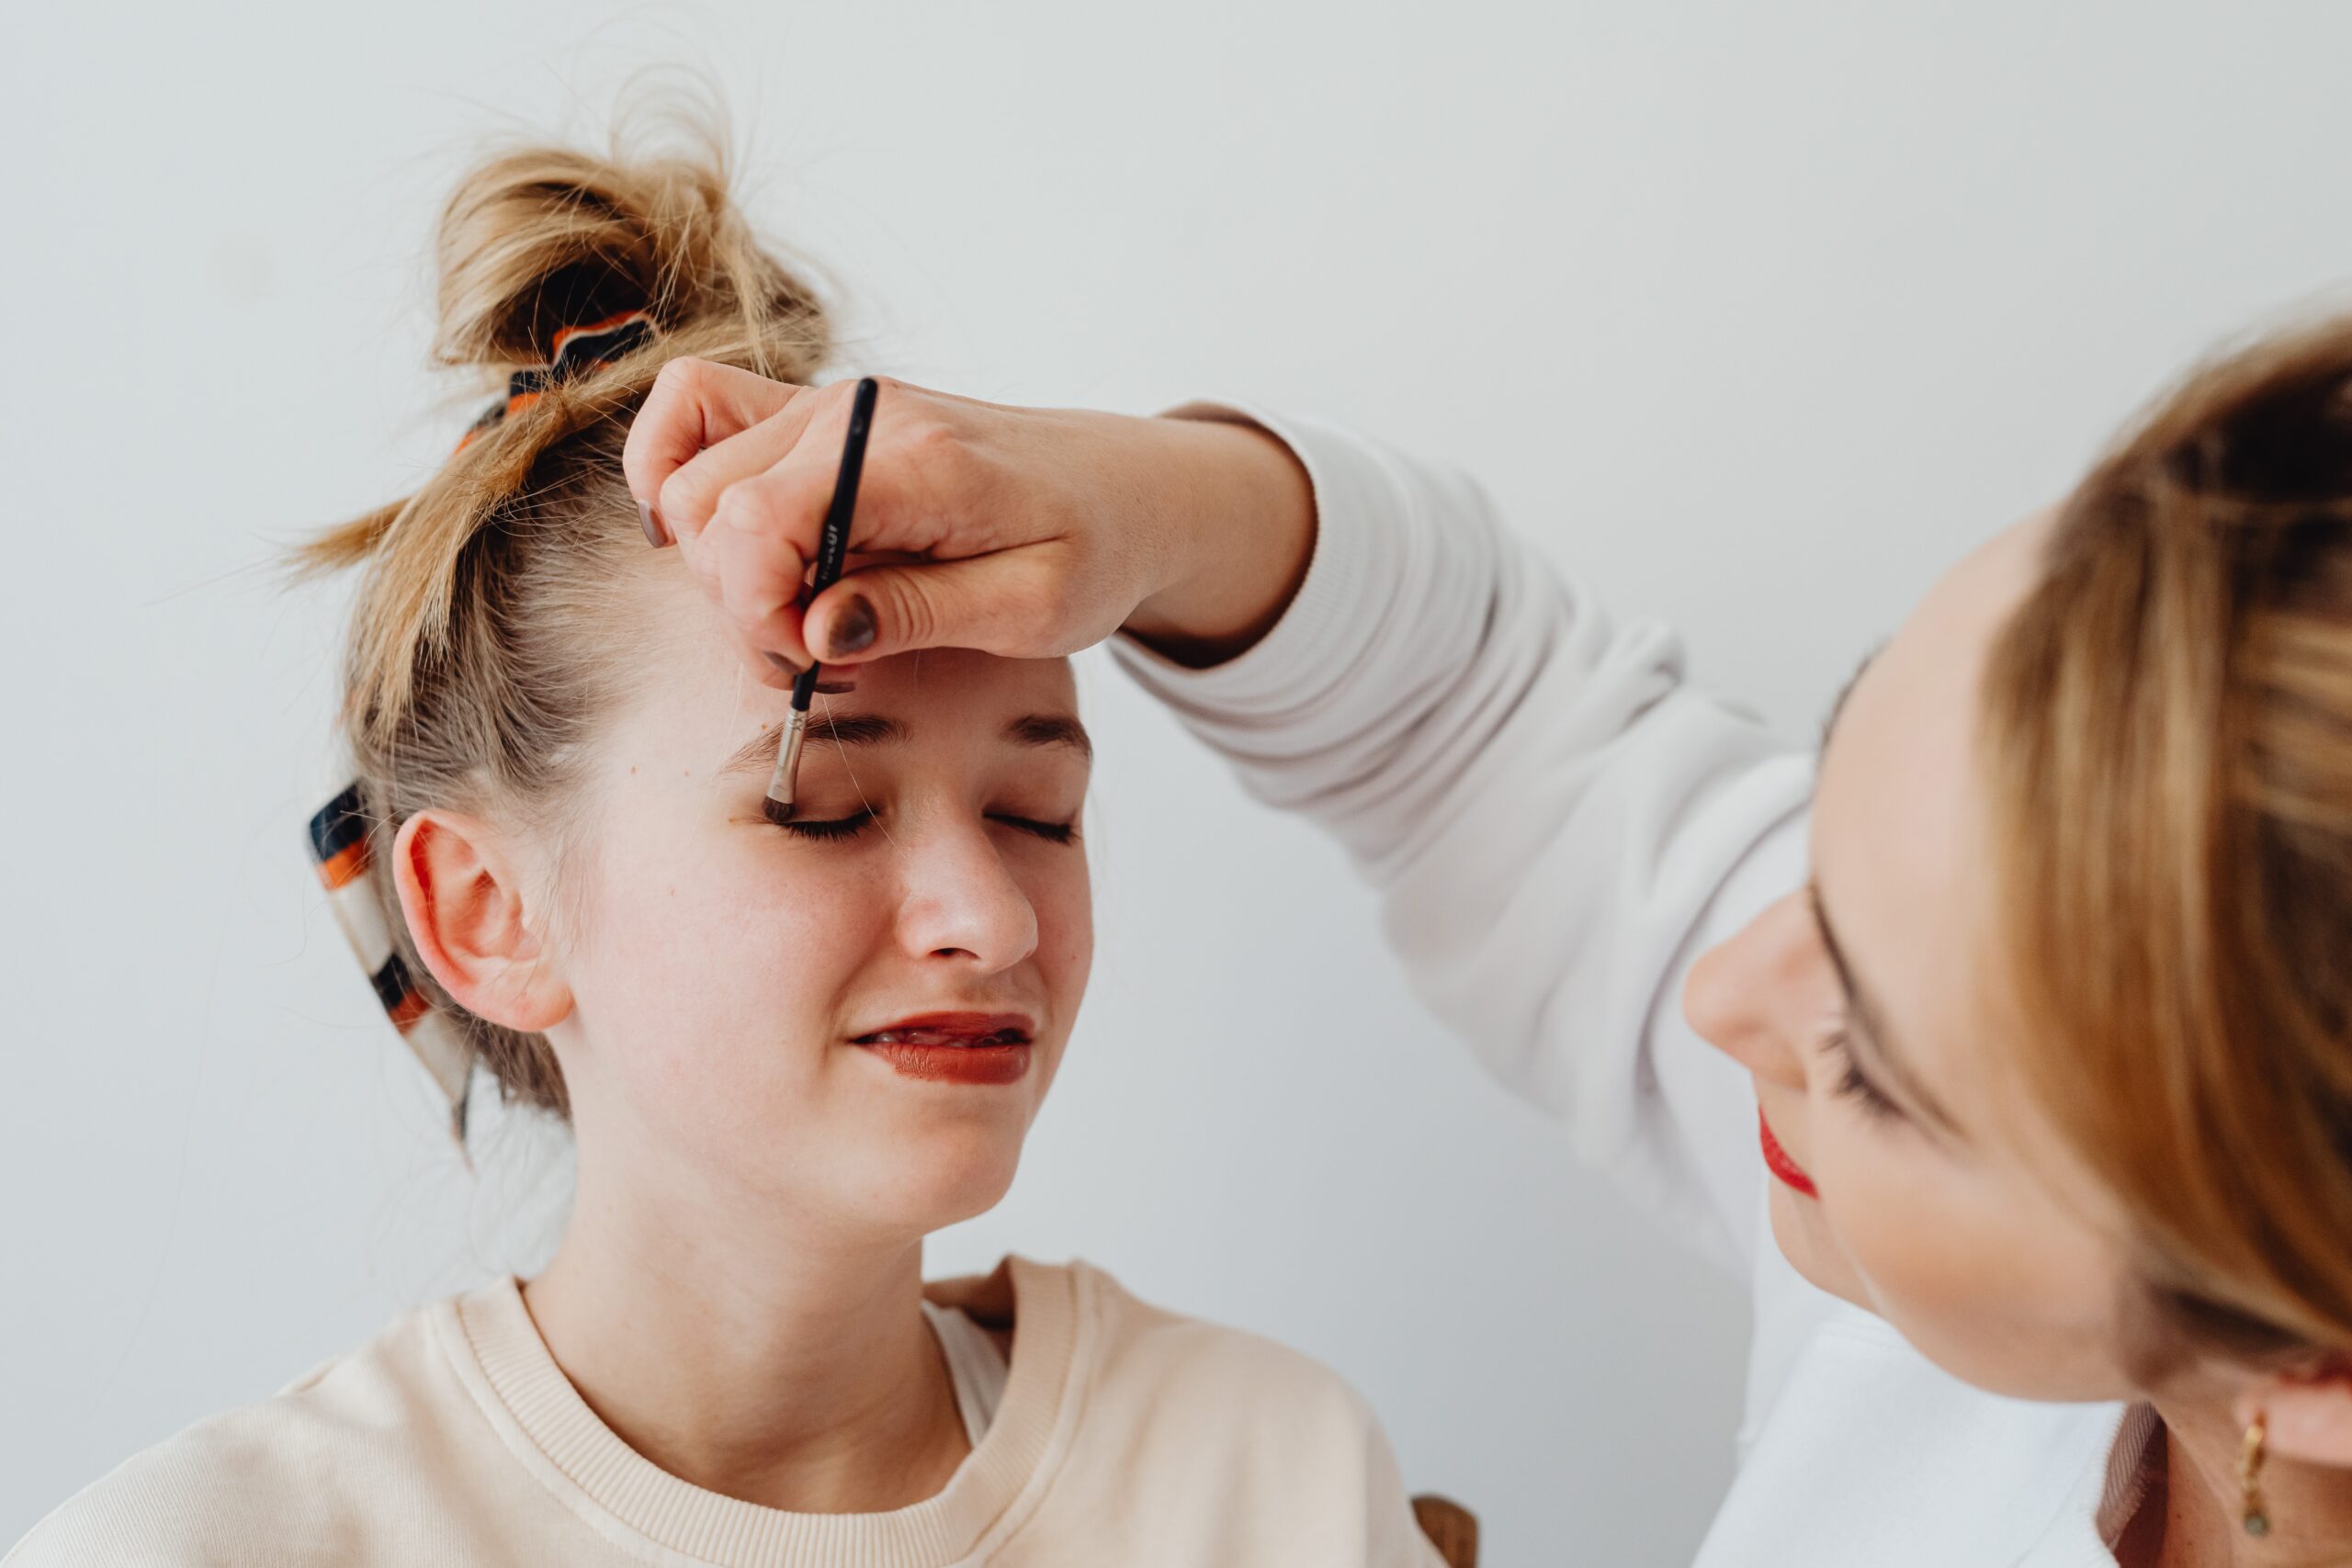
(1756, 314)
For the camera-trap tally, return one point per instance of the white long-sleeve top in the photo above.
(1557, 825)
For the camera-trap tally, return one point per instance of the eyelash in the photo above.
(848, 827)
(839, 827)
(1875, 1102)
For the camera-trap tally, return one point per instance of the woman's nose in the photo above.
(1754, 997)
(962, 902)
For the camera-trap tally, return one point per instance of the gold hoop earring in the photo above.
(2251, 1509)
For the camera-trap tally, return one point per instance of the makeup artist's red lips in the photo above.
(1777, 1160)
(955, 1047)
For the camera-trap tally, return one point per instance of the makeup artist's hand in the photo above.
(1039, 531)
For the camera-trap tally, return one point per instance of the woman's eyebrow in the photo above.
(1051, 729)
(1863, 1005)
(758, 753)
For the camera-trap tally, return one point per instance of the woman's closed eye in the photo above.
(848, 827)
(1857, 1085)
(1052, 832)
(836, 827)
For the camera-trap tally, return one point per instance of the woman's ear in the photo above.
(2307, 1418)
(464, 906)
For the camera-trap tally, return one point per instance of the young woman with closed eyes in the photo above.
(2007, 1052)
(786, 1053)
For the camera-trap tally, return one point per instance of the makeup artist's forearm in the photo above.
(1242, 540)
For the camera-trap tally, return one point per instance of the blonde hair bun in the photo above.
(544, 238)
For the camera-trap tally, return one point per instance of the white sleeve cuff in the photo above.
(1334, 617)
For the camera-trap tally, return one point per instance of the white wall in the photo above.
(1755, 313)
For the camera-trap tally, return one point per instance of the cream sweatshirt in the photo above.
(1558, 822)
(1123, 1435)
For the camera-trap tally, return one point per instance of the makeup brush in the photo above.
(832, 545)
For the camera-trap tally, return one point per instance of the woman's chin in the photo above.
(932, 1182)
(1803, 1233)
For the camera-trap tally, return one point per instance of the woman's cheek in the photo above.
(1911, 1264)
(1965, 1272)
(1060, 896)
(1886, 1208)
(728, 954)
(1067, 931)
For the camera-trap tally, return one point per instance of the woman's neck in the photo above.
(2309, 1506)
(748, 1356)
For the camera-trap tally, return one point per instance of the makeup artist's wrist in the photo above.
(1239, 540)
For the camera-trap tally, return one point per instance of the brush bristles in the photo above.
(784, 785)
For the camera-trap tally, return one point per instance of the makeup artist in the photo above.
(2005, 1048)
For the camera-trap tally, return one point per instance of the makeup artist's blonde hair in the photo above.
(2168, 728)
(490, 620)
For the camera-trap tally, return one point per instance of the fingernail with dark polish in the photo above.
(654, 534)
(853, 628)
(781, 662)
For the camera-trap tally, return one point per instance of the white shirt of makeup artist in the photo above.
(1628, 823)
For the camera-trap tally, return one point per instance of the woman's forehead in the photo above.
(939, 680)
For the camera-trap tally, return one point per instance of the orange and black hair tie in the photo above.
(341, 843)
(577, 350)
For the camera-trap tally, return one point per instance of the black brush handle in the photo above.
(833, 544)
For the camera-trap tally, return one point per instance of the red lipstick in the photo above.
(954, 1047)
(1777, 1160)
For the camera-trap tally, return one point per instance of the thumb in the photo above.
(999, 604)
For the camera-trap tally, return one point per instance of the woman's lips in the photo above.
(1777, 1160)
(954, 1047)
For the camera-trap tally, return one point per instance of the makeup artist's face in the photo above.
(857, 1015)
(1938, 1197)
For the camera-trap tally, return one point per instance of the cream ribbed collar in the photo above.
(498, 1353)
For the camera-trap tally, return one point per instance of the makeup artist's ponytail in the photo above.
(488, 635)
(2168, 730)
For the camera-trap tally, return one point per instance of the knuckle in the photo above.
(677, 499)
(912, 617)
(1045, 587)
(937, 436)
(679, 374)
(743, 601)
(727, 505)
(934, 445)
(754, 507)
(1051, 627)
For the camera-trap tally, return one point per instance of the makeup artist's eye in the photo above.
(1056, 832)
(1875, 1102)
(839, 828)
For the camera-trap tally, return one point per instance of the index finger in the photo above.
(694, 403)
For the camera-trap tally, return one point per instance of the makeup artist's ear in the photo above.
(465, 910)
(2307, 1418)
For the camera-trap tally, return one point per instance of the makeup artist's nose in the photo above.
(961, 902)
(1754, 997)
